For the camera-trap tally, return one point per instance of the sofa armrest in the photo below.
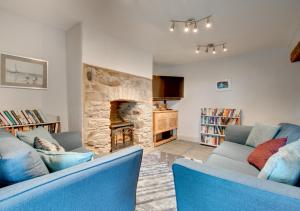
(106, 183)
(68, 140)
(201, 187)
(237, 134)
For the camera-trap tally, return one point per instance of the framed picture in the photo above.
(224, 85)
(23, 72)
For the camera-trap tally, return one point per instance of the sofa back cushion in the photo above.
(18, 161)
(289, 131)
(260, 133)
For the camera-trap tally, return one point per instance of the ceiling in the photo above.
(246, 25)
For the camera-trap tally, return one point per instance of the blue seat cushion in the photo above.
(289, 131)
(219, 161)
(234, 151)
(18, 161)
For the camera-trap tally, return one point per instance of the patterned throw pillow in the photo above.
(43, 144)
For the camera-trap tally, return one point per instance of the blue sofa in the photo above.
(227, 182)
(106, 183)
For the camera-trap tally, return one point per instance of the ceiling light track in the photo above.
(211, 46)
(191, 23)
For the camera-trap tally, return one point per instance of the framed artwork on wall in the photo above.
(223, 85)
(23, 72)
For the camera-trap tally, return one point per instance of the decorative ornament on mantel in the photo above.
(212, 47)
(191, 23)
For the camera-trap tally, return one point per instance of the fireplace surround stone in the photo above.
(100, 89)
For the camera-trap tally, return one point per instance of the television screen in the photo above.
(168, 87)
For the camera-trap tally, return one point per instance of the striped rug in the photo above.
(155, 191)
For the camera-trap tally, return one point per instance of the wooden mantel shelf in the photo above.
(295, 55)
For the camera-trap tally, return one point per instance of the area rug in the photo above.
(155, 191)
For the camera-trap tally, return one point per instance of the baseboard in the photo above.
(188, 138)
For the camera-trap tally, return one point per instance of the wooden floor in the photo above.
(185, 149)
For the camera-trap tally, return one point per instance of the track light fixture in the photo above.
(172, 27)
(224, 48)
(191, 23)
(211, 46)
(214, 50)
(186, 27)
(208, 23)
(195, 28)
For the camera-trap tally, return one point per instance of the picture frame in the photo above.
(223, 85)
(23, 72)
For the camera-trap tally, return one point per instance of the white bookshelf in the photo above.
(214, 122)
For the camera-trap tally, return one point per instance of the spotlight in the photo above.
(172, 27)
(214, 50)
(198, 50)
(195, 27)
(224, 48)
(186, 27)
(208, 23)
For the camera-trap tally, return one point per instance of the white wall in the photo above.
(90, 46)
(20, 36)
(265, 85)
(295, 39)
(104, 51)
(74, 75)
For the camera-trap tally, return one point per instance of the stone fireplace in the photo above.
(115, 98)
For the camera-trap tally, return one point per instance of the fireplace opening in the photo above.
(121, 127)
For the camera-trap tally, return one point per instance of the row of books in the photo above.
(21, 117)
(213, 130)
(218, 121)
(212, 140)
(224, 112)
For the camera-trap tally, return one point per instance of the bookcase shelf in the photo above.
(214, 122)
(25, 120)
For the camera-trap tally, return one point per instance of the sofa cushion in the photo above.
(289, 131)
(43, 144)
(18, 161)
(29, 136)
(260, 133)
(283, 166)
(234, 151)
(260, 155)
(226, 163)
(56, 161)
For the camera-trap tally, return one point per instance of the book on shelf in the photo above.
(222, 112)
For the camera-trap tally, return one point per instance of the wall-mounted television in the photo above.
(167, 87)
